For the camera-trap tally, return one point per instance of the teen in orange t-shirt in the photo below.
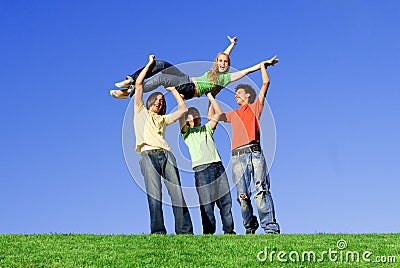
(248, 162)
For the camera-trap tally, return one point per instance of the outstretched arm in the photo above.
(214, 111)
(233, 40)
(240, 74)
(266, 81)
(139, 81)
(182, 108)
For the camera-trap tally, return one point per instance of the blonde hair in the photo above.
(213, 73)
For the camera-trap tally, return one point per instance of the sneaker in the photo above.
(253, 226)
(121, 85)
(251, 231)
(254, 223)
(130, 79)
(115, 95)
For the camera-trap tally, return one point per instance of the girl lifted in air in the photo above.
(211, 81)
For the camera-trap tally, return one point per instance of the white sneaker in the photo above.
(121, 85)
(115, 95)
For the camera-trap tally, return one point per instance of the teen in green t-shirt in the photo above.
(211, 180)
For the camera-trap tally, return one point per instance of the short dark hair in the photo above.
(248, 89)
(152, 99)
(190, 111)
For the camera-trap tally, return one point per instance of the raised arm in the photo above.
(139, 81)
(182, 108)
(214, 111)
(266, 81)
(183, 125)
(233, 40)
(240, 74)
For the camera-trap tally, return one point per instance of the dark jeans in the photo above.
(155, 165)
(170, 76)
(213, 188)
(158, 66)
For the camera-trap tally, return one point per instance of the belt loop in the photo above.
(248, 148)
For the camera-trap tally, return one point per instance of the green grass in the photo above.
(73, 250)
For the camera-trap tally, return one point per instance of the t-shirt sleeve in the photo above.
(138, 108)
(209, 129)
(228, 116)
(186, 134)
(168, 119)
(224, 79)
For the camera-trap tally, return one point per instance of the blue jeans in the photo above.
(158, 66)
(213, 188)
(155, 165)
(246, 167)
(170, 76)
(183, 84)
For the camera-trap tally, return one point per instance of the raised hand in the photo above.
(271, 62)
(152, 58)
(233, 40)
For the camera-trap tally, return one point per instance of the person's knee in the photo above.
(261, 190)
(259, 195)
(243, 200)
(243, 196)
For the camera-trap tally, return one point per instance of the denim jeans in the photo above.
(183, 84)
(170, 76)
(213, 188)
(158, 66)
(155, 165)
(250, 166)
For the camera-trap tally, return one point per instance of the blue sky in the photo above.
(334, 98)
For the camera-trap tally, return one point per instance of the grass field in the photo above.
(285, 250)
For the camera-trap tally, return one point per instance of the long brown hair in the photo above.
(213, 73)
(152, 99)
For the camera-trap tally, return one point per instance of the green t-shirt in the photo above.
(201, 145)
(206, 86)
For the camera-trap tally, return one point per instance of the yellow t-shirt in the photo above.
(150, 128)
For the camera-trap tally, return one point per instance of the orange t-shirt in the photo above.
(245, 126)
